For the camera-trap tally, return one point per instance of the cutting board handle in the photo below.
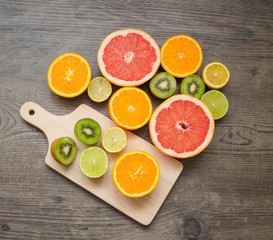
(37, 116)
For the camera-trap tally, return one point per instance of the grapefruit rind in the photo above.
(56, 91)
(118, 81)
(166, 104)
(174, 73)
(136, 195)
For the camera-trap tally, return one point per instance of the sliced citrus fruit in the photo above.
(99, 89)
(215, 75)
(69, 75)
(130, 108)
(182, 126)
(135, 173)
(181, 56)
(114, 139)
(128, 57)
(93, 162)
(216, 102)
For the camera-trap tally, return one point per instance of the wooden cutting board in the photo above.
(141, 209)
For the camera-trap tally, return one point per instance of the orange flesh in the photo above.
(131, 108)
(182, 55)
(136, 173)
(69, 75)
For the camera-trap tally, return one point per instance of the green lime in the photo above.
(93, 162)
(99, 89)
(216, 102)
(114, 139)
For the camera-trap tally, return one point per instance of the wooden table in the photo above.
(226, 192)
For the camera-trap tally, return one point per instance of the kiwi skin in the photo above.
(53, 148)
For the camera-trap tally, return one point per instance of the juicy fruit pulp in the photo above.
(87, 131)
(93, 162)
(69, 75)
(130, 108)
(114, 139)
(215, 75)
(193, 85)
(135, 173)
(181, 56)
(182, 126)
(163, 85)
(216, 102)
(128, 57)
(99, 89)
(64, 150)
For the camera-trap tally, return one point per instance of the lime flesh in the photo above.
(217, 102)
(99, 89)
(93, 162)
(114, 139)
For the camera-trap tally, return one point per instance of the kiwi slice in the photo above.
(193, 85)
(163, 85)
(88, 131)
(64, 150)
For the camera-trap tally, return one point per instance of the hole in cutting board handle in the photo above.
(31, 112)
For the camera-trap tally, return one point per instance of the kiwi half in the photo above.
(88, 131)
(193, 85)
(163, 85)
(64, 150)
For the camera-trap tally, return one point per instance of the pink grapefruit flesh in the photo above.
(128, 57)
(182, 126)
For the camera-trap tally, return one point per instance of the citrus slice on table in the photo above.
(69, 75)
(128, 57)
(130, 108)
(93, 162)
(182, 126)
(135, 173)
(181, 56)
(216, 102)
(99, 89)
(114, 139)
(215, 75)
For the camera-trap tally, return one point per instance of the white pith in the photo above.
(166, 104)
(128, 58)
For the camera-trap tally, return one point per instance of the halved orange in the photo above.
(135, 173)
(69, 75)
(181, 56)
(130, 108)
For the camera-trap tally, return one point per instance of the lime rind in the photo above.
(93, 162)
(217, 103)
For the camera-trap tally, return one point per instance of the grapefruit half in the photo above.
(182, 126)
(128, 57)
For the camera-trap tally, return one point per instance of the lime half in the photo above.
(216, 102)
(114, 139)
(99, 89)
(93, 162)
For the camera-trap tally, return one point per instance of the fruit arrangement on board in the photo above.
(181, 126)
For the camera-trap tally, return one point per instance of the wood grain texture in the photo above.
(224, 193)
(143, 209)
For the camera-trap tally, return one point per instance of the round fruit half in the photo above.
(182, 126)
(135, 173)
(128, 57)
(69, 75)
(181, 56)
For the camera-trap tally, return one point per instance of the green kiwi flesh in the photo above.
(64, 150)
(163, 85)
(87, 131)
(193, 85)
